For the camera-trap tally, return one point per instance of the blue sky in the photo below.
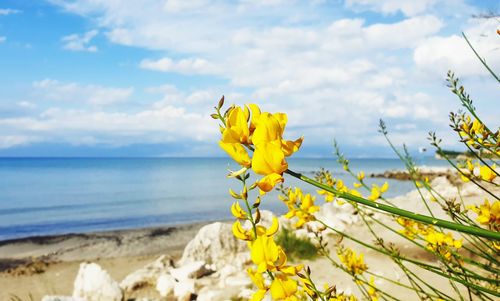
(122, 78)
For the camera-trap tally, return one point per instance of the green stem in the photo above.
(398, 283)
(481, 59)
(400, 212)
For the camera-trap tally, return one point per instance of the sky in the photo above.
(92, 78)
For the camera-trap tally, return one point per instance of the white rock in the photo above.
(266, 218)
(212, 295)
(61, 298)
(214, 244)
(147, 275)
(337, 216)
(184, 290)
(246, 294)
(165, 284)
(191, 270)
(240, 280)
(92, 283)
(227, 271)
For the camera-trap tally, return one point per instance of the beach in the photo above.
(47, 265)
(40, 266)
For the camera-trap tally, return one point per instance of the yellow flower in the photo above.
(384, 188)
(236, 130)
(255, 117)
(477, 127)
(306, 285)
(268, 182)
(372, 290)
(377, 191)
(273, 228)
(300, 206)
(354, 264)
(441, 243)
(487, 173)
(465, 177)
(248, 126)
(361, 176)
(329, 197)
(283, 288)
(268, 158)
(264, 253)
(241, 233)
(237, 211)
(470, 166)
(496, 245)
(259, 282)
(268, 130)
(408, 224)
(248, 234)
(488, 214)
(237, 152)
(290, 147)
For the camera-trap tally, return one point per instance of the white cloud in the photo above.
(152, 125)
(182, 5)
(13, 140)
(184, 66)
(8, 11)
(437, 55)
(76, 42)
(333, 76)
(407, 7)
(76, 93)
(289, 60)
(175, 116)
(404, 34)
(26, 105)
(2, 39)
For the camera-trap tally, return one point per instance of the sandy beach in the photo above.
(47, 265)
(39, 266)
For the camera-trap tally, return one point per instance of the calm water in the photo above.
(55, 196)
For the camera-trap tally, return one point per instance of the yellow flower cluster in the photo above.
(376, 191)
(353, 263)
(485, 173)
(248, 128)
(442, 243)
(360, 177)
(475, 134)
(488, 214)
(372, 290)
(412, 228)
(300, 206)
(269, 257)
(325, 177)
(436, 241)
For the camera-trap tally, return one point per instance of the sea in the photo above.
(51, 196)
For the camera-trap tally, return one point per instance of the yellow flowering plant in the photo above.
(462, 249)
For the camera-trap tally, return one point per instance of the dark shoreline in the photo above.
(37, 252)
(54, 238)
